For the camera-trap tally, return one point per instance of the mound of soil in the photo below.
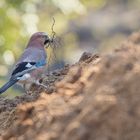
(97, 98)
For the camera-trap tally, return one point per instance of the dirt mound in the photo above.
(98, 98)
(8, 107)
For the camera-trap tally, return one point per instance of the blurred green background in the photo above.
(83, 25)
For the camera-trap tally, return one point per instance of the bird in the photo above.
(31, 63)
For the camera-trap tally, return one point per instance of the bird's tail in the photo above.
(7, 85)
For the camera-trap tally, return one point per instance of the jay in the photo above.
(30, 65)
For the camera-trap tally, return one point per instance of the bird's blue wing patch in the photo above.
(40, 63)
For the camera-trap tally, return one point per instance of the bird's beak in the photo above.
(47, 41)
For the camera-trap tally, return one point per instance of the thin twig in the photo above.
(50, 43)
(52, 28)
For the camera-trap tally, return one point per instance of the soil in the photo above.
(98, 98)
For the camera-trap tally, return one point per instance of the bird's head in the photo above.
(39, 39)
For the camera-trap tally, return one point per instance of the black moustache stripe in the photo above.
(46, 41)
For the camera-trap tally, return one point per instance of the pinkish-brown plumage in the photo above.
(35, 50)
(38, 39)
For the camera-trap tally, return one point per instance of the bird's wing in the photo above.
(26, 67)
(22, 67)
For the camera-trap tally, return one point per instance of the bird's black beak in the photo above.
(47, 40)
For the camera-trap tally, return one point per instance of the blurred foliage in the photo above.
(82, 25)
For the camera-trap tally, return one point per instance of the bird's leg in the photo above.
(26, 88)
(40, 84)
